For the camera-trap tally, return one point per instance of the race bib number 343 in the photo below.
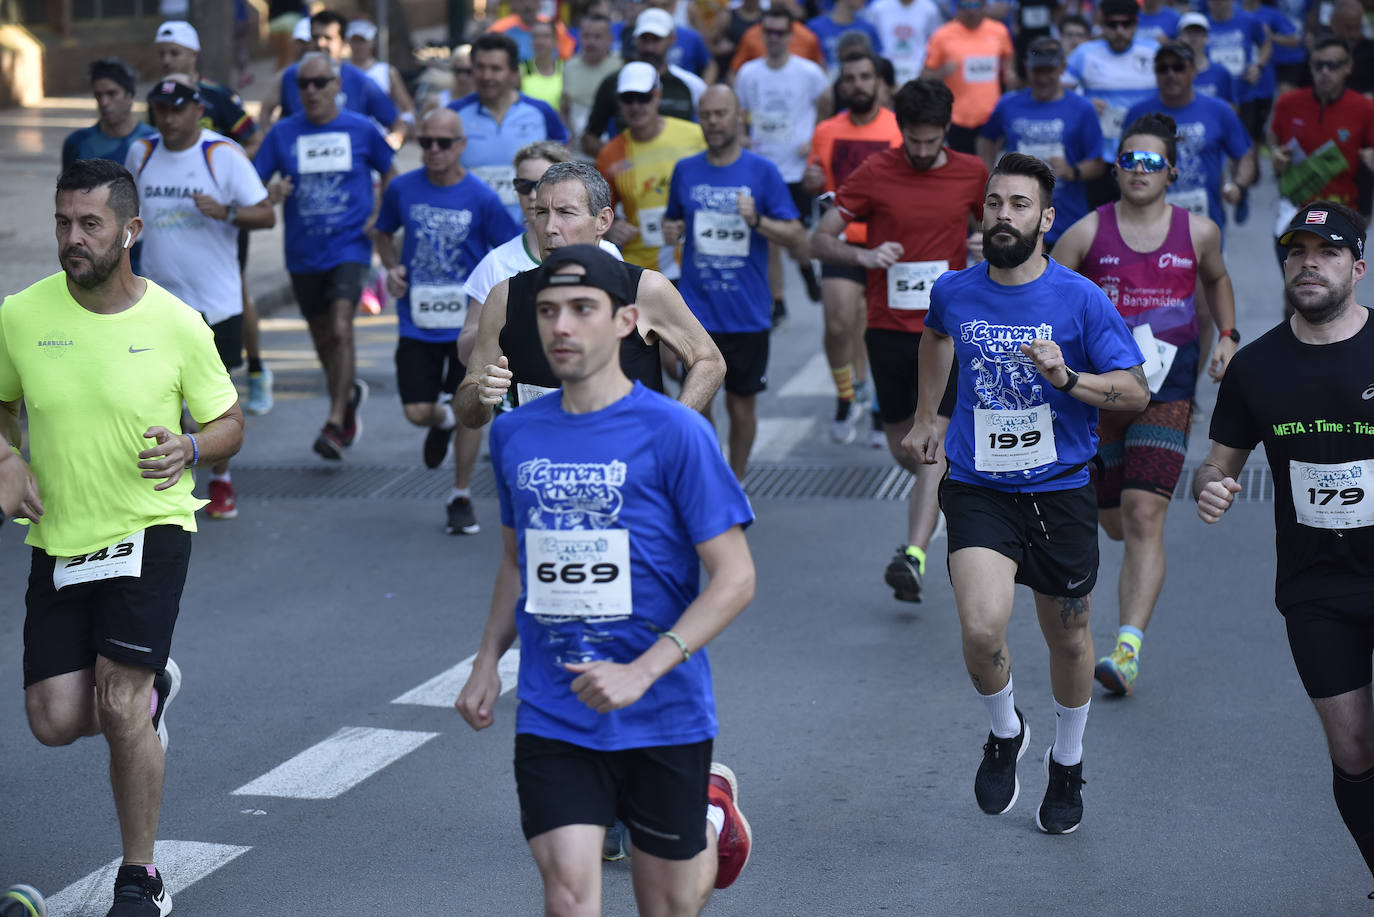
(578, 574)
(1332, 496)
(124, 558)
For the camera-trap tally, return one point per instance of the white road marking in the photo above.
(337, 764)
(182, 864)
(778, 436)
(811, 380)
(442, 690)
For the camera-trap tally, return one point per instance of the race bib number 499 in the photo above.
(723, 234)
(577, 574)
(1332, 496)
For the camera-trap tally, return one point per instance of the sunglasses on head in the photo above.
(442, 143)
(1178, 67)
(1328, 65)
(524, 186)
(1145, 159)
(1118, 23)
(636, 98)
(319, 82)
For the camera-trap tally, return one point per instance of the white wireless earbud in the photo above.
(128, 238)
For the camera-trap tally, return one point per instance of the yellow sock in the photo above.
(844, 382)
(920, 555)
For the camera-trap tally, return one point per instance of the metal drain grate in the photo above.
(773, 481)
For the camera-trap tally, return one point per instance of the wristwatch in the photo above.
(1072, 381)
(1231, 333)
(231, 212)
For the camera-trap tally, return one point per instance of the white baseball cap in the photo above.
(361, 28)
(302, 30)
(637, 76)
(1193, 20)
(179, 32)
(654, 22)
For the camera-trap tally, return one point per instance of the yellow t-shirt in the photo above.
(638, 174)
(93, 384)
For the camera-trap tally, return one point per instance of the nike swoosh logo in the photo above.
(1076, 584)
(132, 349)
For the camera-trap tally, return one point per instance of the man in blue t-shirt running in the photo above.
(612, 499)
(1017, 499)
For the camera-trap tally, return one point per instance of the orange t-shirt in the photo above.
(803, 43)
(567, 45)
(839, 146)
(977, 79)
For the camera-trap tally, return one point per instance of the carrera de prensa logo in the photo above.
(573, 495)
(55, 344)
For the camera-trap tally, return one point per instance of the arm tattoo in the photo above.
(1138, 375)
(1111, 396)
(1071, 610)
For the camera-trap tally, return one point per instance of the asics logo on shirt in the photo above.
(1368, 393)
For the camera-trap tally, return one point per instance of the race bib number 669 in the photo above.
(577, 574)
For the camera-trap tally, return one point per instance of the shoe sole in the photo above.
(1108, 676)
(1037, 811)
(222, 514)
(850, 435)
(1016, 781)
(725, 773)
(904, 586)
(465, 530)
(174, 673)
(325, 448)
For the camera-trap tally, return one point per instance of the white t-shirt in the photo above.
(505, 261)
(904, 28)
(782, 109)
(192, 256)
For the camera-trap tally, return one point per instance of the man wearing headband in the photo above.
(1039, 350)
(1152, 259)
(612, 499)
(1315, 365)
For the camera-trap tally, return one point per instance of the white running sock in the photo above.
(220, 477)
(1002, 712)
(449, 421)
(1069, 723)
(457, 492)
(716, 816)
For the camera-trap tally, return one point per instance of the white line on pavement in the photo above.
(778, 436)
(337, 764)
(442, 690)
(182, 864)
(811, 380)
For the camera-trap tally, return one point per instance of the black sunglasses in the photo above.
(442, 143)
(319, 82)
(636, 98)
(1171, 68)
(1118, 23)
(524, 186)
(1328, 65)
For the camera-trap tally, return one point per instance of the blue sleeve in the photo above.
(265, 161)
(778, 202)
(1135, 111)
(674, 207)
(389, 214)
(1106, 339)
(694, 56)
(993, 130)
(69, 150)
(1235, 139)
(496, 446)
(553, 125)
(379, 154)
(935, 320)
(379, 105)
(872, 33)
(700, 484)
(1258, 34)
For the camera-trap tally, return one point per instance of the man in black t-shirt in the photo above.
(1316, 421)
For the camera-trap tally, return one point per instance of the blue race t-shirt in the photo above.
(1119, 80)
(989, 322)
(1158, 27)
(1274, 21)
(356, 93)
(1066, 127)
(1217, 83)
(448, 230)
(724, 262)
(92, 143)
(608, 508)
(492, 145)
(829, 32)
(1209, 132)
(330, 166)
(1234, 44)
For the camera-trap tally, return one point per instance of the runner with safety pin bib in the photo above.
(578, 574)
(123, 558)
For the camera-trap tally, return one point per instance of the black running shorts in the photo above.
(746, 360)
(894, 366)
(1332, 642)
(229, 341)
(853, 272)
(425, 369)
(314, 292)
(1052, 535)
(659, 793)
(128, 619)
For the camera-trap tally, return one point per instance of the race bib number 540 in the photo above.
(124, 558)
(577, 574)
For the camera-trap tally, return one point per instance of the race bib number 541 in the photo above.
(577, 574)
(124, 558)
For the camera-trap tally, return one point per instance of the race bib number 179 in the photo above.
(1332, 496)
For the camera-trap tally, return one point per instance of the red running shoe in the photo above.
(222, 505)
(736, 837)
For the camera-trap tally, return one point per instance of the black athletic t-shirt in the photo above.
(525, 352)
(1312, 405)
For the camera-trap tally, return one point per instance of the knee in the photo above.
(565, 898)
(120, 704)
(1111, 525)
(1353, 752)
(341, 329)
(418, 414)
(981, 639)
(1141, 524)
(53, 727)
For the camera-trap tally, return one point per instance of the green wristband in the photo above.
(686, 653)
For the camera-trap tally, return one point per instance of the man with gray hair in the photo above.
(572, 206)
(326, 158)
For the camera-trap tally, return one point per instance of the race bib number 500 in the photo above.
(1332, 496)
(438, 306)
(124, 558)
(577, 574)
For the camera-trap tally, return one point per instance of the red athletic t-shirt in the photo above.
(927, 212)
(1349, 121)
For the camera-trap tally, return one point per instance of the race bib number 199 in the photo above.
(1013, 440)
(125, 558)
(1332, 496)
(328, 152)
(577, 574)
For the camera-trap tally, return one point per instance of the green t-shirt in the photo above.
(93, 384)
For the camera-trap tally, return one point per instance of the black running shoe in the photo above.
(330, 443)
(813, 286)
(461, 518)
(995, 786)
(779, 314)
(138, 894)
(1062, 809)
(353, 424)
(436, 445)
(904, 576)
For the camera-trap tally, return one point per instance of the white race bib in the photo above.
(1159, 356)
(1035, 17)
(1332, 496)
(773, 127)
(577, 574)
(1231, 58)
(329, 152)
(1112, 120)
(1042, 151)
(528, 392)
(980, 69)
(124, 558)
(651, 226)
(1193, 200)
(1013, 440)
(438, 305)
(723, 234)
(500, 179)
(909, 283)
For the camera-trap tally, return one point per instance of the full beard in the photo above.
(1007, 255)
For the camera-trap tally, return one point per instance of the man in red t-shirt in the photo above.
(920, 200)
